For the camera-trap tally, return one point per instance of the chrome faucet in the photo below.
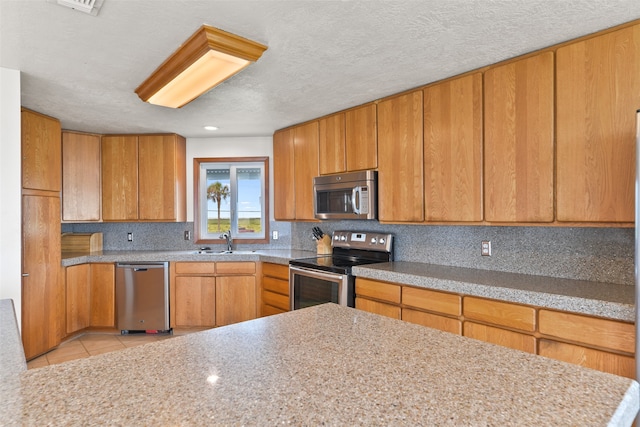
(227, 237)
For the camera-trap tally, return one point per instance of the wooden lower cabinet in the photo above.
(499, 336)
(195, 301)
(603, 344)
(208, 294)
(235, 299)
(90, 296)
(274, 289)
(442, 323)
(588, 357)
(78, 297)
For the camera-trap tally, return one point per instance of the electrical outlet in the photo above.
(274, 235)
(129, 237)
(187, 235)
(486, 248)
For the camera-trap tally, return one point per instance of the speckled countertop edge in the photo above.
(607, 300)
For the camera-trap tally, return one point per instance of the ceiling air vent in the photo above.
(87, 6)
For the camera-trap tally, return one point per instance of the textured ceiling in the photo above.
(323, 56)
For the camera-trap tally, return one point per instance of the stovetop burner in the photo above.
(351, 249)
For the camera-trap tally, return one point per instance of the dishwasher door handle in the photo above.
(140, 269)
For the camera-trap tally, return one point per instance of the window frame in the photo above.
(197, 162)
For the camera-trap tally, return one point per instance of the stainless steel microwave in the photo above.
(352, 195)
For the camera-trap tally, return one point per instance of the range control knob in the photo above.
(382, 240)
(343, 238)
(374, 240)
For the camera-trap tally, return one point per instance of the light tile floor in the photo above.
(93, 343)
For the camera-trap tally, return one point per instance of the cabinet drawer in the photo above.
(378, 308)
(609, 334)
(276, 300)
(378, 290)
(500, 313)
(248, 267)
(268, 310)
(275, 270)
(439, 302)
(275, 285)
(195, 268)
(434, 321)
(501, 337)
(588, 357)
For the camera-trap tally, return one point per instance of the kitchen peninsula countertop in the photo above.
(321, 365)
(609, 300)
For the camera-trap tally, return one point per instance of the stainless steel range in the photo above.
(328, 278)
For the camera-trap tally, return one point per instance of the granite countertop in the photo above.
(607, 300)
(321, 365)
(276, 256)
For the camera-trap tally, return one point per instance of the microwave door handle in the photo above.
(355, 200)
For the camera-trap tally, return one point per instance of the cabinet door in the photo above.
(453, 150)
(103, 295)
(41, 152)
(78, 294)
(361, 138)
(235, 299)
(283, 176)
(43, 285)
(500, 336)
(119, 178)
(377, 307)
(598, 85)
(161, 178)
(305, 142)
(616, 364)
(434, 321)
(400, 159)
(80, 177)
(332, 155)
(519, 137)
(195, 301)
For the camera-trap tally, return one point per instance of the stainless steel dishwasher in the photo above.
(142, 297)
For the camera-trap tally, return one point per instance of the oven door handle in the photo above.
(316, 274)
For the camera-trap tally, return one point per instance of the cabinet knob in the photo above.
(25, 274)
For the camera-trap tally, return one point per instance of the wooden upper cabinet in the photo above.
(80, 177)
(400, 158)
(305, 150)
(41, 152)
(162, 178)
(144, 178)
(598, 92)
(283, 175)
(453, 150)
(519, 140)
(119, 178)
(331, 144)
(361, 138)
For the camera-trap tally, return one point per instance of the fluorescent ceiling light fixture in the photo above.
(209, 57)
(211, 127)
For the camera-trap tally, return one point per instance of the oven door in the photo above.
(308, 287)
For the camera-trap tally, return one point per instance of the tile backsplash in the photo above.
(599, 254)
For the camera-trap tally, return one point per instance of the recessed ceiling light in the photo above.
(211, 127)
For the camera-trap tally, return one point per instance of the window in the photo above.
(231, 194)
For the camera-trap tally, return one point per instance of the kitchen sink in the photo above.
(211, 252)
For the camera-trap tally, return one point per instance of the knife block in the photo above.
(324, 245)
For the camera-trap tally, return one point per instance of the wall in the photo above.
(10, 191)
